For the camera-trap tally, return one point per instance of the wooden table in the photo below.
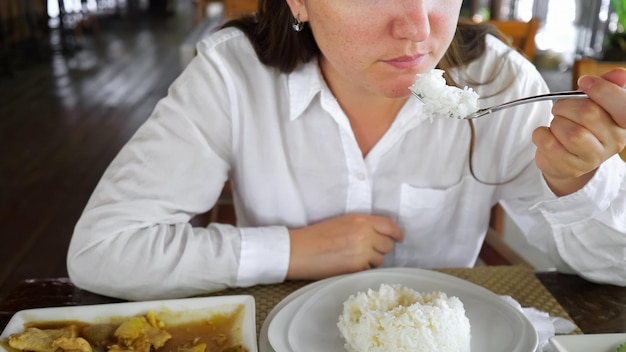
(594, 308)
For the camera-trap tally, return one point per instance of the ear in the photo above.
(298, 9)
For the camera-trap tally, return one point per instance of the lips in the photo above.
(404, 62)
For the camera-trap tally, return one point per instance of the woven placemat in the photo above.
(266, 297)
(518, 282)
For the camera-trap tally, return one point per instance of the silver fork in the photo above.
(573, 94)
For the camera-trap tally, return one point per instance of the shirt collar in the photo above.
(304, 84)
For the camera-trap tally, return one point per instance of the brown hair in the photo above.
(273, 38)
(468, 45)
(278, 45)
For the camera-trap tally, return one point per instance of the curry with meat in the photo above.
(145, 333)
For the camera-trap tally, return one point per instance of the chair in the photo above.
(231, 9)
(208, 8)
(588, 66)
(238, 8)
(521, 35)
(495, 251)
(200, 11)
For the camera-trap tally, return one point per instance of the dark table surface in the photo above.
(595, 308)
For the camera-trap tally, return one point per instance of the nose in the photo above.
(411, 21)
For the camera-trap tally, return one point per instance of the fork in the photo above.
(573, 94)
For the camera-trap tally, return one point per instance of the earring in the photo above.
(297, 24)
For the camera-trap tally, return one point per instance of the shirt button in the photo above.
(360, 176)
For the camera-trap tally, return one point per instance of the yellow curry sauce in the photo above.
(219, 333)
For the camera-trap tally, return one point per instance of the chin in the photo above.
(398, 92)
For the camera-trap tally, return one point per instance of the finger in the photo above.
(616, 76)
(608, 91)
(588, 115)
(383, 244)
(551, 156)
(547, 147)
(376, 260)
(387, 227)
(597, 120)
(585, 142)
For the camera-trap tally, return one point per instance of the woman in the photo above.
(334, 167)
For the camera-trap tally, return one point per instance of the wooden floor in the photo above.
(63, 119)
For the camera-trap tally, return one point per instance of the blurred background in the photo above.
(568, 28)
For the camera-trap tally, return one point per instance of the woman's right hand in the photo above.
(341, 245)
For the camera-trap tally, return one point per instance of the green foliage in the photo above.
(622, 347)
(615, 42)
(619, 7)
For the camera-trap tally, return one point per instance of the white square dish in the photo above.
(588, 343)
(177, 311)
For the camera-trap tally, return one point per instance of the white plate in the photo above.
(183, 310)
(496, 325)
(587, 343)
(276, 334)
(281, 323)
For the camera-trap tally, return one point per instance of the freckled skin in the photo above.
(360, 39)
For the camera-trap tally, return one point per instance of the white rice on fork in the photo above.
(442, 100)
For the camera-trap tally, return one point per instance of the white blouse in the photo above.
(293, 160)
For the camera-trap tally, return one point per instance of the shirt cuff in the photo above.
(264, 257)
(596, 196)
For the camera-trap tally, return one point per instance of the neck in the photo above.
(370, 114)
(370, 120)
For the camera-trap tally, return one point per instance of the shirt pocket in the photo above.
(442, 226)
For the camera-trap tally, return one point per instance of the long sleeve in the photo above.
(134, 239)
(589, 226)
(582, 233)
(585, 232)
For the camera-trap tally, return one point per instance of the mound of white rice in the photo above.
(441, 99)
(396, 318)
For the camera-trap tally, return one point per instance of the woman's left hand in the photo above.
(584, 133)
